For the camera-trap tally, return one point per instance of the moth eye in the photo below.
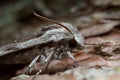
(72, 43)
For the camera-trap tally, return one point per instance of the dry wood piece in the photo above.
(107, 45)
(76, 74)
(98, 29)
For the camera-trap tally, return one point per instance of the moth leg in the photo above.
(31, 65)
(69, 54)
(46, 62)
(72, 58)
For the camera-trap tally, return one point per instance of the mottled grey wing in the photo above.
(48, 36)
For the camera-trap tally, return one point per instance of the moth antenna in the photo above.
(51, 21)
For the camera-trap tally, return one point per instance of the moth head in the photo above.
(79, 39)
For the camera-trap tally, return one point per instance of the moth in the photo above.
(56, 40)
